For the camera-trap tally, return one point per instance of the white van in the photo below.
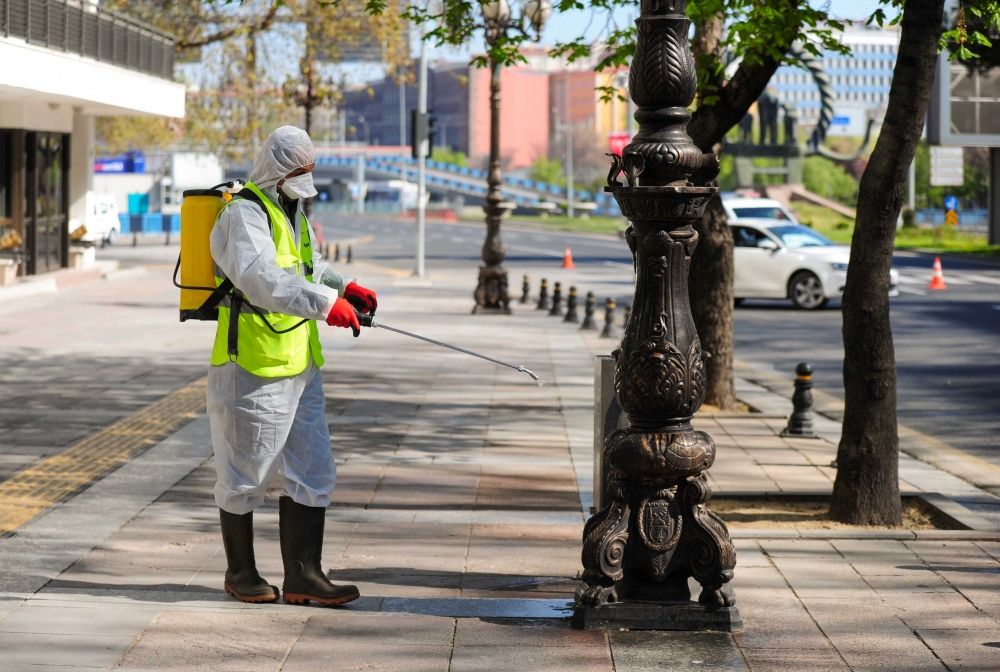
(103, 225)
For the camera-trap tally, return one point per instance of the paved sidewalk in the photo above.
(459, 509)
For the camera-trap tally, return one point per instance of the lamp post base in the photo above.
(657, 616)
(491, 293)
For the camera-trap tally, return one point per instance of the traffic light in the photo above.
(416, 133)
(431, 131)
(422, 128)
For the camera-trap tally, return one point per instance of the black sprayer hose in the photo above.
(245, 302)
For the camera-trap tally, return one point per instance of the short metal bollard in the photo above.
(543, 296)
(350, 254)
(571, 314)
(589, 306)
(336, 252)
(800, 423)
(525, 290)
(627, 316)
(557, 308)
(610, 330)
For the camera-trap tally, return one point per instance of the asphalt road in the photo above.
(947, 343)
(392, 242)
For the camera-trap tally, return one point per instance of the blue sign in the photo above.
(131, 162)
(951, 202)
(840, 121)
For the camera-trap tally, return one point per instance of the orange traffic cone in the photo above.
(568, 259)
(937, 280)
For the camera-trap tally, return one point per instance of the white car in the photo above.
(101, 219)
(738, 208)
(781, 259)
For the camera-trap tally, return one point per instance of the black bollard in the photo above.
(800, 424)
(543, 296)
(525, 290)
(557, 308)
(627, 316)
(336, 252)
(589, 306)
(610, 330)
(350, 254)
(571, 314)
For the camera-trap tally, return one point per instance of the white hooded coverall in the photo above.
(267, 426)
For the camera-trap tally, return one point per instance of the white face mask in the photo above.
(300, 186)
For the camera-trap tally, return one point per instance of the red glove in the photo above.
(342, 315)
(361, 298)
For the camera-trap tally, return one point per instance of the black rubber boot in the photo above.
(301, 530)
(242, 580)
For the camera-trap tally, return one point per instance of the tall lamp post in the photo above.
(491, 293)
(656, 531)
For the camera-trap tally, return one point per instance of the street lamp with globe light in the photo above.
(498, 20)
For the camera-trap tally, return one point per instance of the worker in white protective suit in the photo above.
(265, 388)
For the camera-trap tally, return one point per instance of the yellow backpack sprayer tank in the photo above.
(199, 211)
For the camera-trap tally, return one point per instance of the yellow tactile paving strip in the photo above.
(29, 492)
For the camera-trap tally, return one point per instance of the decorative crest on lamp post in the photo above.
(656, 532)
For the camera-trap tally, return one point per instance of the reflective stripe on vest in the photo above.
(261, 351)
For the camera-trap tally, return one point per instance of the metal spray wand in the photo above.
(368, 321)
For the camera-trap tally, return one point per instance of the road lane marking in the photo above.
(33, 490)
(925, 278)
(912, 290)
(975, 277)
(535, 250)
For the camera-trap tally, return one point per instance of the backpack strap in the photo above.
(249, 195)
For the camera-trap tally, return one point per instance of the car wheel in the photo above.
(738, 302)
(112, 237)
(806, 291)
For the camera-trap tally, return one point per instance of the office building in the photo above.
(861, 81)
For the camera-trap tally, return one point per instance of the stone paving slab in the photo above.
(460, 505)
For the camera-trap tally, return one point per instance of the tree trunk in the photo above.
(866, 491)
(710, 288)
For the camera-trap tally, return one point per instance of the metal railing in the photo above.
(82, 28)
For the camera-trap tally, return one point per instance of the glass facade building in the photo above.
(861, 80)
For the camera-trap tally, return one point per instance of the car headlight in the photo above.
(839, 267)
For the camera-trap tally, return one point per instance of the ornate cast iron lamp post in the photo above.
(656, 532)
(491, 293)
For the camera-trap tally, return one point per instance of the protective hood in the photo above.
(287, 149)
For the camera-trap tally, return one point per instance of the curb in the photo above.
(961, 518)
(50, 283)
(22, 289)
(124, 273)
(868, 535)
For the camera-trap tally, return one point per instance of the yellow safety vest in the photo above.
(260, 350)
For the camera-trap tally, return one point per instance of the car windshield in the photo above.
(794, 235)
(761, 212)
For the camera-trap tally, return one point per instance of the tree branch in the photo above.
(710, 123)
(263, 25)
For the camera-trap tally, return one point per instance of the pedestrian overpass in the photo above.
(396, 163)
